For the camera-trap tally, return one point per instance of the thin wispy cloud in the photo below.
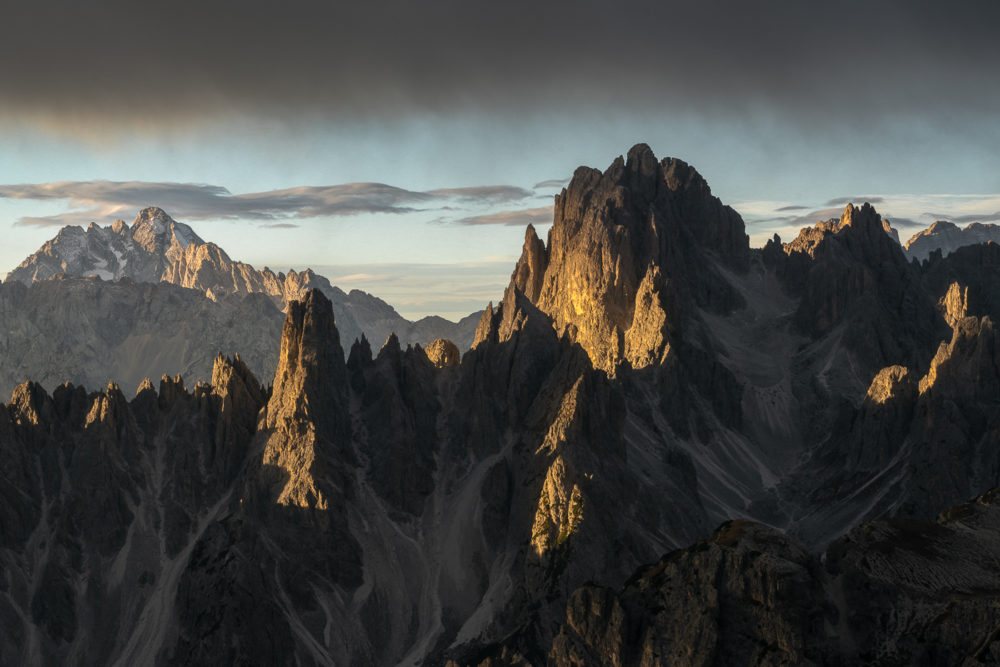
(534, 216)
(991, 217)
(484, 194)
(102, 200)
(362, 277)
(551, 183)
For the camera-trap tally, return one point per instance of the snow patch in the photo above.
(182, 235)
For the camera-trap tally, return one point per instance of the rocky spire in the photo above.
(311, 370)
(307, 424)
(530, 270)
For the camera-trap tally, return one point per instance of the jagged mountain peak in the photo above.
(865, 215)
(609, 229)
(153, 217)
(860, 227)
(154, 230)
(938, 226)
(891, 231)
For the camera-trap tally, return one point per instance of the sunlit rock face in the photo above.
(553, 495)
(442, 353)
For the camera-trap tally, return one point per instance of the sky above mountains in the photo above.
(401, 147)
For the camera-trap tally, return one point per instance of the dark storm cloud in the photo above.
(173, 63)
(101, 199)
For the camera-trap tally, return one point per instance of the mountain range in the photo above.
(663, 447)
(949, 237)
(117, 313)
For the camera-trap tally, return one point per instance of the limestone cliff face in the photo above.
(747, 595)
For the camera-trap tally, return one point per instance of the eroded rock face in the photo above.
(119, 492)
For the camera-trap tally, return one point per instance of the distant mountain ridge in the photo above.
(943, 236)
(949, 237)
(157, 248)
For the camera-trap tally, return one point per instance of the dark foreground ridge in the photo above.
(550, 497)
